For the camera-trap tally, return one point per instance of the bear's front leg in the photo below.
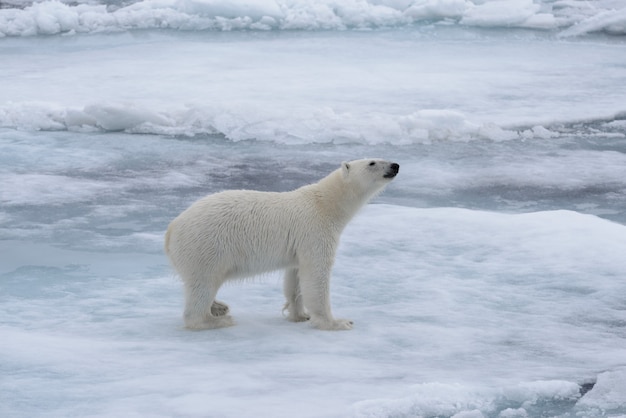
(315, 288)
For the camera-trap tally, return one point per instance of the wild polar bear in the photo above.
(241, 233)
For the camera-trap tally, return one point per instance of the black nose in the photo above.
(393, 170)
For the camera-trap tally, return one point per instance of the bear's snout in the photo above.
(393, 171)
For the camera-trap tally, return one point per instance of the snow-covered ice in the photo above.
(399, 86)
(569, 17)
(488, 280)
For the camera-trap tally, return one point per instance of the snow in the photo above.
(486, 281)
(609, 392)
(501, 13)
(573, 18)
(47, 18)
(480, 298)
(417, 90)
(457, 311)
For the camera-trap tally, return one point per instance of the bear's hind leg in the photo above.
(294, 305)
(201, 309)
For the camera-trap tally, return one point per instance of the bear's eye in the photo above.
(372, 163)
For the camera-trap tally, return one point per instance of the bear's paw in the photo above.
(209, 323)
(219, 308)
(334, 325)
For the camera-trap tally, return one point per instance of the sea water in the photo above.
(488, 280)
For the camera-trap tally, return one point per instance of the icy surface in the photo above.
(569, 17)
(397, 87)
(527, 303)
(487, 281)
(457, 311)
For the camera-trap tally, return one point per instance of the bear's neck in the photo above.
(339, 198)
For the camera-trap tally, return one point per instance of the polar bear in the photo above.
(240, 233)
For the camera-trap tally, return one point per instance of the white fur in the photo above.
(241, 233)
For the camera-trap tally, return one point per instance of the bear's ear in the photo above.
(345, 169)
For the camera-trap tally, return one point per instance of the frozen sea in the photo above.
(488, 280)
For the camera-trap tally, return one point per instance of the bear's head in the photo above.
(368, 176)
